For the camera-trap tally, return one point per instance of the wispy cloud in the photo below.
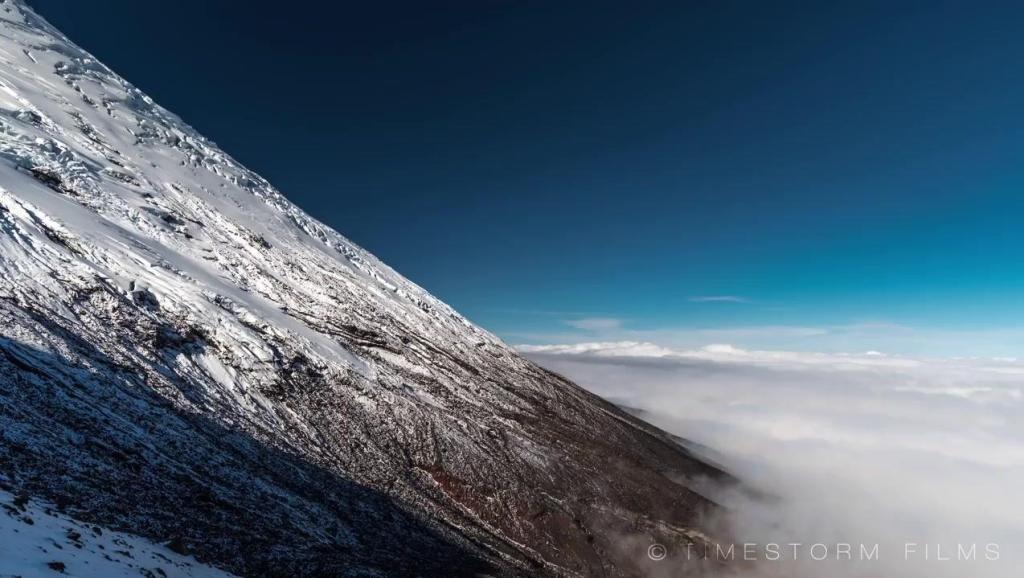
(719, 299)
(595, 323)
(860, 448)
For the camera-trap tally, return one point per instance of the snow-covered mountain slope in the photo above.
(187, 356)
(37, 541)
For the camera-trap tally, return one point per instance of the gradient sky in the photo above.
(596, 170)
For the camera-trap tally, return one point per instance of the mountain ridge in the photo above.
(190, 357)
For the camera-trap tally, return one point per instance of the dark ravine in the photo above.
(187, 356)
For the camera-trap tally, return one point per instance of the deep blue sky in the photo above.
(539, 164)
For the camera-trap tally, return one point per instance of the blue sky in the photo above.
(850, 174)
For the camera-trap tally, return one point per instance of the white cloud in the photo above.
(862, 448)
(595, 323)
(719, 299)
(853, 337)
(602, 349)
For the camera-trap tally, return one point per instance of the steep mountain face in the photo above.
(187, 356)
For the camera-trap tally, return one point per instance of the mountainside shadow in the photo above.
(100, 443)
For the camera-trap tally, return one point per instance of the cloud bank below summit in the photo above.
(892, 338)
(861, 449)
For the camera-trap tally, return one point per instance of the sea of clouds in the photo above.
(922, 457)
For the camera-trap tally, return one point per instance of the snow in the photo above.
(151, 201)
(36, 540)
(189, 354)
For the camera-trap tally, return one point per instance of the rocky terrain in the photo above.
(187, 356)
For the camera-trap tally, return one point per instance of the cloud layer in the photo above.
(864, 336)
(911, 454)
